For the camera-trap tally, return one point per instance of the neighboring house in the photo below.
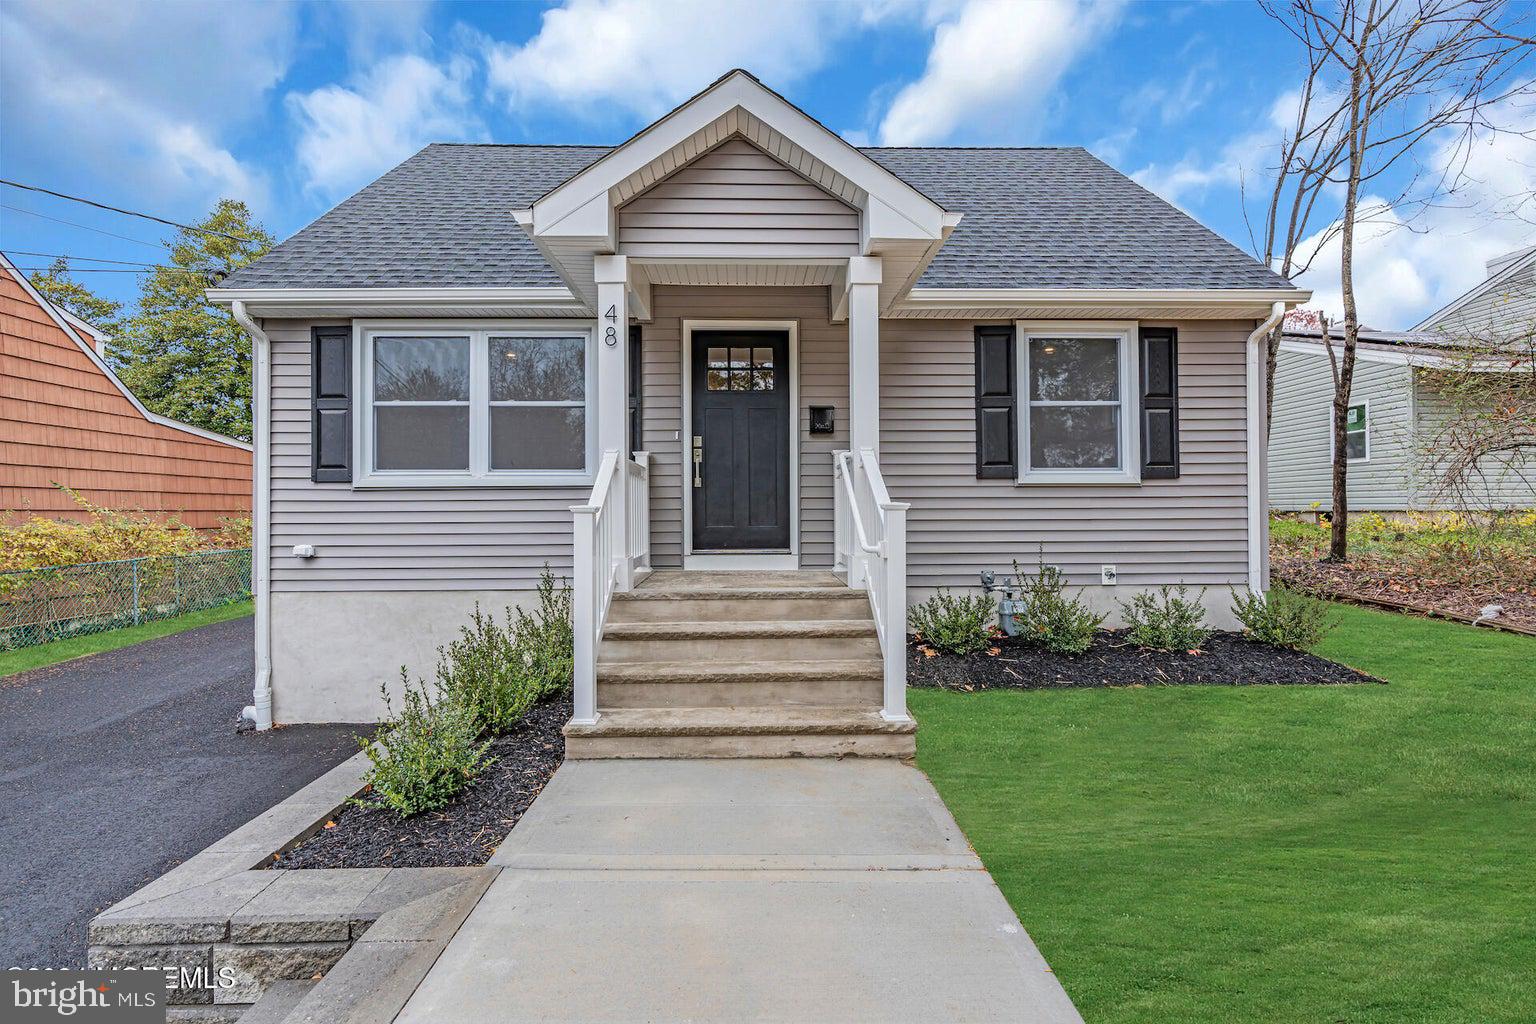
(659, 355)
(67, 421)
(1395, 412)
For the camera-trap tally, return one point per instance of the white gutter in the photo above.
(1231, 299)
(299, 302)
(1258, 502)
(260, 710)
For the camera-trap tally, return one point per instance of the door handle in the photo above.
(698, 461)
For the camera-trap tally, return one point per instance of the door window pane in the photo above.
(421, 369)
(538, 369)
(421, 437)
(1074, 437)
(538, 437)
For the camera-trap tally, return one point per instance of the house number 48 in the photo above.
(611, 335)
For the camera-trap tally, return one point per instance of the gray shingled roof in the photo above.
(1033, 218)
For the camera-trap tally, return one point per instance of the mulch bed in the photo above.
(1228, 659)
(1392, 584)
(467, 831)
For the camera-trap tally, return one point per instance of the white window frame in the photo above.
(479, 333)
(1366, 402)
(1126, 332)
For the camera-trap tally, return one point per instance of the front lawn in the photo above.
(1319, 854)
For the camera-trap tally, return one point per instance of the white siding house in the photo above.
(1399, 408)
(737, 345)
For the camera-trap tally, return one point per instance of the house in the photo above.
(67, 421)
(754, 390)
(1396, 412)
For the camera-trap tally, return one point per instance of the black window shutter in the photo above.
(1159, 403)
(996, 404)
(636, 422)
(330, 443)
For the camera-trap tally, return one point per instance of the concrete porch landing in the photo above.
(748, 890)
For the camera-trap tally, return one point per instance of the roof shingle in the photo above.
(1033, 218)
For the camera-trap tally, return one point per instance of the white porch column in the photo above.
(611, 274)
(864, 353)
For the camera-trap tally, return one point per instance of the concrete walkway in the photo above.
(784, 890)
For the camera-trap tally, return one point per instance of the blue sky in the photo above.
(164, 107)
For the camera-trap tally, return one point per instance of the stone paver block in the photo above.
(188, 968)
(435, 914)
(198, 914)
(369, 985)
(249, 969)
(213, 1013)
(306, 906)
(277, 1002)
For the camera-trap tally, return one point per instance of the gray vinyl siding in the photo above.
(1300, 461)
(1192, 529)
(737, 201)
(1502, 483)
(823, 380)
(379, 540)
(1507, 309)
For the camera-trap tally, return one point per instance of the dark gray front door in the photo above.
(740, 401)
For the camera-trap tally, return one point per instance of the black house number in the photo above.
(611, 335)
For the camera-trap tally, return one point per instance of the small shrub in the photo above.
(1169, 621)
(955, 625)
(483, 672)
(546, 639)
(1284, 619)
(423, 755)
(1048, 617)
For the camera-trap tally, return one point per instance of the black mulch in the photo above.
(1227, 659)
(464, 833)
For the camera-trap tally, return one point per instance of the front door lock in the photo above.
(698, 461)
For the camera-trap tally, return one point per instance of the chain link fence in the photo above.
(54, 603)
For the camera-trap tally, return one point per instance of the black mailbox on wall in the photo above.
(821, 419)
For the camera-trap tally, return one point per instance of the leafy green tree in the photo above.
(58, 286)
(182, 356)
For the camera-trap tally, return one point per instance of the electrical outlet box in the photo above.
(1107, 575)
(303, 551)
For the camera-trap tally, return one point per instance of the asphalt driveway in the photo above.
(116, 767)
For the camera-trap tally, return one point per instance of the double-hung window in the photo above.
(478, 406)
(1078, 417)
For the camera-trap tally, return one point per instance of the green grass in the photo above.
(43, 655)
(1319, 854)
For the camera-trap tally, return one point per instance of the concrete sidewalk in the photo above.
(784, 890)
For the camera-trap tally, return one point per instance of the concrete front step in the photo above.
(788, 629)
(740, 732)
(847, 682)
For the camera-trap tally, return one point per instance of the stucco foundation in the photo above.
(331, 652)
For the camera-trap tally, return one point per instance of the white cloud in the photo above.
(1249, 155)
(654, 56)
(143, 92)
(349, 135)
(992, 66)
(1409, 264)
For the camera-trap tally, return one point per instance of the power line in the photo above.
(147, 269)
(128, 213)
(88, 259)
(77, 224)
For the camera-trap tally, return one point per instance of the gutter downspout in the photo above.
(1258, 557)
(259, 712)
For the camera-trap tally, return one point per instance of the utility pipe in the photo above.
(259, 712)
(1257, 499)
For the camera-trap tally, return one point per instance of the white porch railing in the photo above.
(612, 540)
(871, 547)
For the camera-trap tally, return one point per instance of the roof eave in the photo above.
(1229, 301)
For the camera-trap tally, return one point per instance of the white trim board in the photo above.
(771, 560)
